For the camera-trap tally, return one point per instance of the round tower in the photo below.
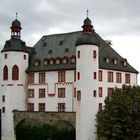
(14, 62)
(87, 65)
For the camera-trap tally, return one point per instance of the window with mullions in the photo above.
(61, 76)
(61, 92)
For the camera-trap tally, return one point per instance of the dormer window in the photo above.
(107, 60)
(61, 43)
(125, 62)
(51, 61)
(73, 59)
(50, 52)
(37, 62)
(66, 50)
(44, 44)
(46, 61)
(57, 60)
(115, 61)
(65, 60)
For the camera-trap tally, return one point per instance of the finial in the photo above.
(16, 15)
(87, 12)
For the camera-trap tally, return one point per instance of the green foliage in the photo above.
(43, 132)
(120, 119)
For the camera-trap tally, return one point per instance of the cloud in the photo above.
(110, 17)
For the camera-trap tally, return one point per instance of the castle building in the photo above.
(70, 72)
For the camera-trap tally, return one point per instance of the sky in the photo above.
(115, 20)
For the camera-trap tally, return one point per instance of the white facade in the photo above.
(13, 91)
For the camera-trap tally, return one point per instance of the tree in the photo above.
(120, 118)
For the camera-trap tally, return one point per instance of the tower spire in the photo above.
(87, 12)
(16, 15)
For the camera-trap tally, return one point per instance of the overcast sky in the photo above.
(117, 20)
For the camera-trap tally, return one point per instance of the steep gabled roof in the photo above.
(53, 46)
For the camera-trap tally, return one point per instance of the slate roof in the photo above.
(58, 43)
(15, 44)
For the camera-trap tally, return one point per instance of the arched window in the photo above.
(15, 72)
(5, 73)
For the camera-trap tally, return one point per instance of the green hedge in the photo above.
(43, 132)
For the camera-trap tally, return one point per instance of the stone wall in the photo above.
(67, 119)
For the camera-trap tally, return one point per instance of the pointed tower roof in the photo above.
(88, 36)
(15, 43)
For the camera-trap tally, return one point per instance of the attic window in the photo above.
(107, 60)
(61, 43)
(65, 60)
(44, 44)
(73, 59)
(46, 62)
(37, 62)
(51, 61)
(66, 50)
(125, 62)
(57, 61)
(115, 61)
(50, 52)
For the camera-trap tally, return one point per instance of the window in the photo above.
(24, 57)
(74, 75)
(3, 109)
(61, 76)
(74, 92)
(118, 78)
(30, 106)
(5, 55)
(49, 51)
(100, 106)
(107, 60)
(66, 50)
(109, 92)
(78, 54)
(5, 73)
(100, 91)
(94, 93)
(37, 62)
(51, 61)
(115, 61)
(100, 75)
(61, 43)
(73, 59)
(61, 92)
(65, 60)
(127, 78)
(15, 73)
(57, 60)
(42, 77)
(31, 78)
(61, 107)
(94, 54)
(110, 77)
(41, 107)
(44, 44)
(46, 61)
(3, 98)
(78, 75)
(125, 62)
(78, 95)
(30, 93)
(94, 75)
(42, 93)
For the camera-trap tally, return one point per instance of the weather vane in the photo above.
(16, 15)
(87, 12)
